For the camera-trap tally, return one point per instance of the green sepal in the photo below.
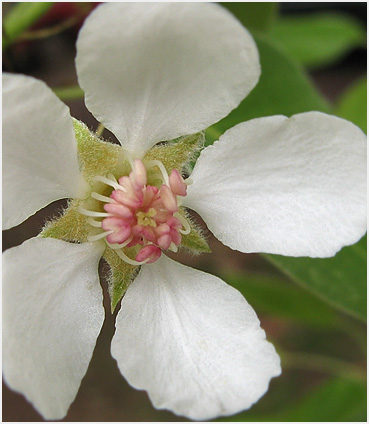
(178, 153)
(120, 277)
(97, 157)
(195, 241)
(70, 225)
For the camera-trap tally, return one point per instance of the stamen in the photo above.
(111, 176)
(130, 261)
(116, 246)
(86, 212)
(99, 236)
(94, 223)
(109, 182)
(138, 214)
(184, 222)
(102, 198)
(173, 247)
(162, 170)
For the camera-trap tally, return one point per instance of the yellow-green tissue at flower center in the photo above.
(145, 218)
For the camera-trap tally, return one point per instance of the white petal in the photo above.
(192, 342)
(40, 162)
(52, 315)
(155, 71)
(292, 186)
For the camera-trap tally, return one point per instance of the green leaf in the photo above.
(318, 39)
(20, 18)
(340, 281)
(337, 400)
(283, 89)
(255, 16)
(353, 104)
(280, 298)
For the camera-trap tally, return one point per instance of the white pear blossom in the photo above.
(293, 186)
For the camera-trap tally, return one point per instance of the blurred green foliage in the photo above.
(283, 89)
(318, 39)
(69, 93)
(336, 400)
(353, 104)
(339, 399)
(278, 297)
(340, 281)
(257, 17)
(21, 17)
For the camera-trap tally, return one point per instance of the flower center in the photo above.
(141, 215)
(145, 218)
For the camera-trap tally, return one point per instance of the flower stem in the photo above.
(69, 93)
(48, 32)
(320, 363)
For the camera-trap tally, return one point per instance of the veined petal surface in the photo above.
(40, 161)
(192, 342)
(156, 71)
(292, 186)
(52, 315)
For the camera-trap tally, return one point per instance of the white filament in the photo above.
(94, 214)
(162, 170)
(94, 223)
(99, 236)
(130, 261)
(173, 247)
(102, 198)
(116, 246)
(109, 182)
(184, 222)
